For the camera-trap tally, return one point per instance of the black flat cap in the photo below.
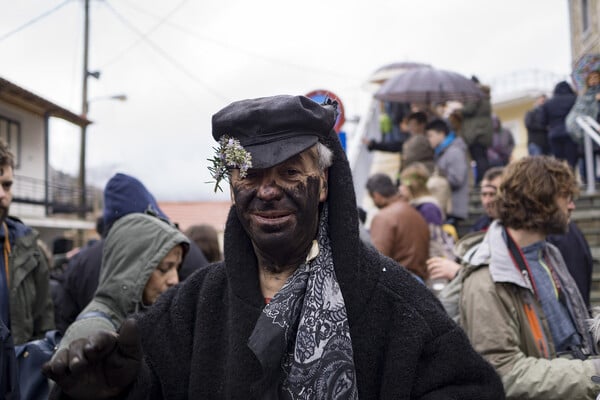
(276, 128)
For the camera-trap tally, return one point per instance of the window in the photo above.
(585, 15)
(10, 133)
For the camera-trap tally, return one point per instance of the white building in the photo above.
(41, 198)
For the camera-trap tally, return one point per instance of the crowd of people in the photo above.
(552, 127)
(306, 302)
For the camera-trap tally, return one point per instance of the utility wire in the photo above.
(165, 55)
(145, 35)
(33, 21)
(242, 49)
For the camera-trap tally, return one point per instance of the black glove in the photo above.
(102, 366)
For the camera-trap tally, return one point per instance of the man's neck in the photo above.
(272, 282)
(523, 237)
(394, 198)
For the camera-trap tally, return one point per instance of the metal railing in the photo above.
(592, 130)
(62, 198)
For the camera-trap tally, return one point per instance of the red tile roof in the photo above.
(191, 213)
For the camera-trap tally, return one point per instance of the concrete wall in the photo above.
(31, 154)
(588, 41)
(30, 162)
(512, 116)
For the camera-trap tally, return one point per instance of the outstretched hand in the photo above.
(100, 367)
(440, 267)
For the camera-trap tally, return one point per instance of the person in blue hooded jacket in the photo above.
(450, 154)
(123, 195)
(9, 383)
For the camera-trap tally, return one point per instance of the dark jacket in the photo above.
(9, 382)
(477, 124)
(578, 258)
(482, 223)
(537, 132)
(391, 145)
(556, 109)
(405, 346)
(31, 307)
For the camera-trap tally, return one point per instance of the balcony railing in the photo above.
(62, 198)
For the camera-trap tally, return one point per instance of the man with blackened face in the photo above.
(279, 208)
(300, 308)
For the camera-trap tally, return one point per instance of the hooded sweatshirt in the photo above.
(555, 110)
(123, 195)
(133, 249)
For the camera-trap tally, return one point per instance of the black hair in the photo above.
(418, 116)
(382, 184)
(100, 226)
(438, 125)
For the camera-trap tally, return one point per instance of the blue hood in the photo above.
(124, 195)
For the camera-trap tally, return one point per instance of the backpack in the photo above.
(586, 104)
(30, 358)
(449, 296)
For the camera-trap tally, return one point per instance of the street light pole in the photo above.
(84, 111)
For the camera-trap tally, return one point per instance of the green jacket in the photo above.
(31, 307)
(133, 249)
(477, 126)
(506, 324)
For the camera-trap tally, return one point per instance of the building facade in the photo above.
(584, 18)
(43, 198)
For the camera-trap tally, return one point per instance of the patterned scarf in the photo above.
(302, 338)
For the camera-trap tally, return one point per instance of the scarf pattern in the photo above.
(303, 334)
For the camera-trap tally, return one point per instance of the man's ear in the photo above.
(324, 186)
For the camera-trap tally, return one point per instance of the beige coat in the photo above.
(506, 324)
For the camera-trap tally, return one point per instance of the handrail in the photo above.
(359, 157)
(591, 128)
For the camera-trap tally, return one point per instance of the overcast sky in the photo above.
(179, 62)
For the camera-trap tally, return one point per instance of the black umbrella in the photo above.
(428, 85)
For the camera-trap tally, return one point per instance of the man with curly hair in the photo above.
(519, 305)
